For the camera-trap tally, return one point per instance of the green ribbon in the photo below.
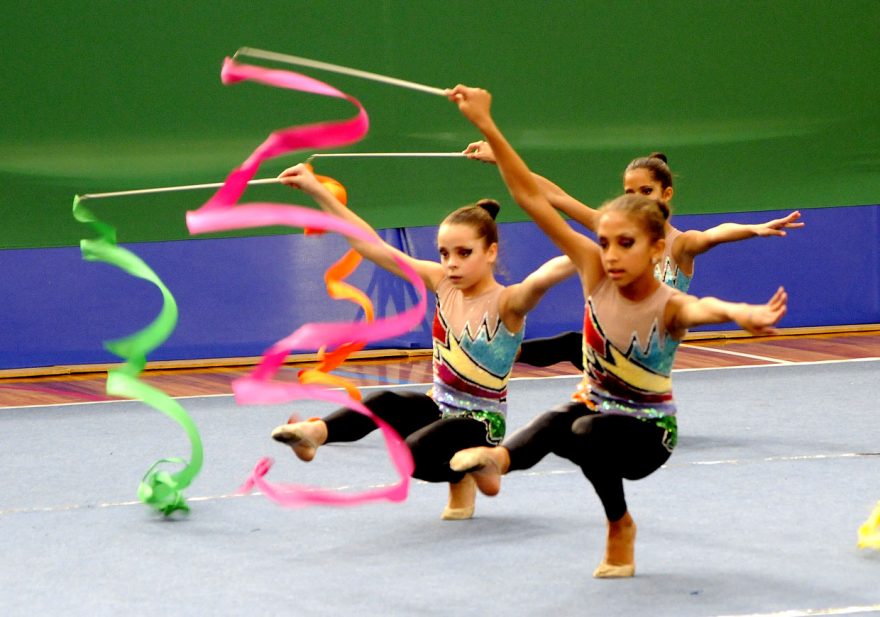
(159, 489)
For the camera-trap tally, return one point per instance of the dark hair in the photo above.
(651, 212)
(480, 216)
(657, 164)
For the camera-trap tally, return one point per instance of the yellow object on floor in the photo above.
(869, 532)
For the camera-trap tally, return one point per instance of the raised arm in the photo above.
(695, 242)
(685, 312)
(300, 177)
(556, 195)
(474, 104)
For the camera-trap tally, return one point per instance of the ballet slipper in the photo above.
(619, 561)
(607, 570)
(457, 514)
(462, 496)
(303, 437)
(485, 464)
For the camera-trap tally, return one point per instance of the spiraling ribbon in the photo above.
(222, 213)
(159, 488)
(338, 289)
(869, 531)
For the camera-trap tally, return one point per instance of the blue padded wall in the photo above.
(237, 296)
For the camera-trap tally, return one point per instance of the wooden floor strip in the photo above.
(415, 368)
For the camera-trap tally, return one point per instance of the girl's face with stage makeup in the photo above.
(466, 259)
(628, 253)
(641, 181)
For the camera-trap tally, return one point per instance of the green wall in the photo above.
(759, 105)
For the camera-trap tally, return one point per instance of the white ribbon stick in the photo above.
(214, 185)
(169, 189)
(382, 154)
(335, 68)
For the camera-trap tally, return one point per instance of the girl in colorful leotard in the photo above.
(477, 329)
(624, 424)
(649, 176)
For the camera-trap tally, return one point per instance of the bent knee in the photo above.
(583, 426)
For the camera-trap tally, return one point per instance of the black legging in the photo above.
(607, 448)
(416, 418)
(565, 347)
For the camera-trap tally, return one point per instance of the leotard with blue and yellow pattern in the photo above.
(474, 354)
(628, 357)
(667, 270)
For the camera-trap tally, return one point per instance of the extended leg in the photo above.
(549, 432)
(303, 437)
(485, 465)
(406, 412)
(565, 347)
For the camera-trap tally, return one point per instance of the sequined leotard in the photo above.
(566, 347)
(621, 423)
(628, 361)
(473, 356)
(668, 271)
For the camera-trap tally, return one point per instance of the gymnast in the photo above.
(477, 329)
(650, 176)
(623, 425)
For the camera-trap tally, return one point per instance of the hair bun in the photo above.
(664, 208)
(489, 205)
(659, 155)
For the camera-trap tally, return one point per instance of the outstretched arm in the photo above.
(556, 195)
(685, 312)
(474, 104)
(300, 177)
(522, 297)
(696, 242)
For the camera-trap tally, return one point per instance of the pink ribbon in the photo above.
(221, 213)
